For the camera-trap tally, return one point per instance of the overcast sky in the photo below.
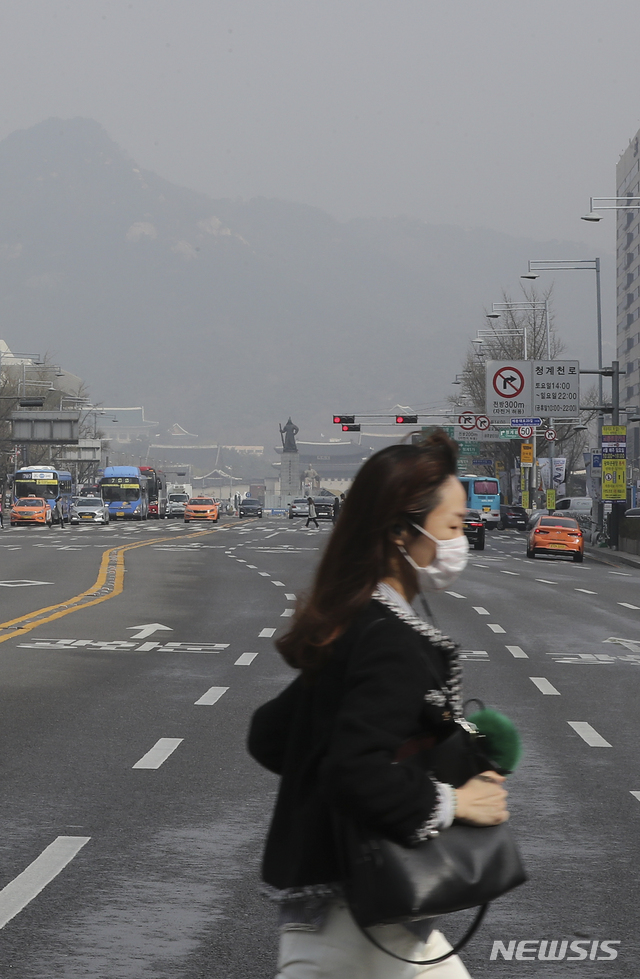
(486, 113)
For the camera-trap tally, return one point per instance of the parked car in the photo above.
(201, 508)
(250, 508)
(89, 509)
(474, 529)
(583, 503)
(535, 516)
(298, 508)
(553, 535)
(512, 516)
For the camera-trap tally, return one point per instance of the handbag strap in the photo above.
(470, 932)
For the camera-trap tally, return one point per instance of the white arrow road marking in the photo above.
(159, 753)
(149, 629)
(212, 696)
(517, 652)
(245, 659)
(27, 885)
(544, 686)
(22, 583)
(589, 734)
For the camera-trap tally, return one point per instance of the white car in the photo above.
(89, 509)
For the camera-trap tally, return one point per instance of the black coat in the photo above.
(334, 741)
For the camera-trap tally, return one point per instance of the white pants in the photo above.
(339, 950)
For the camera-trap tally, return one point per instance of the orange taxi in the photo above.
(31, 509)
(201, 508)
(556, 535)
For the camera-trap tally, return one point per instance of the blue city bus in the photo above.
(45, 482)
(483, 494)
(124, 490)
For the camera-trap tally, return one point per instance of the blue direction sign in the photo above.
(482, 462)
(526, 421)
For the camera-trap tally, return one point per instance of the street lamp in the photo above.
(498, 308)
(609, 204)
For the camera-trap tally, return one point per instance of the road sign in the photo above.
(526, 454)
(614, 479)
(525, 499)
(550, 436)
(467, 422)
(507, 389)
(509, 433)
(556, 388)
(596, 461)
(508, 382)
(482, 462)
(525, 431)
(527, 421)
(551, 499)
(482, 423)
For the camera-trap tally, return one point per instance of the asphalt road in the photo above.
(113, 869)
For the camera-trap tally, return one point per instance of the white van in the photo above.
(582, 503)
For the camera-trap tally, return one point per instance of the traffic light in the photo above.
(344, 419)
(406, 419)
(350, 428)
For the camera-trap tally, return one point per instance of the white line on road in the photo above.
(241, 560)
(288, 612)
(586, 591)
(480, 610)
(510, 572)
(624, 574)
(45, 868)
(545, 581)
(517, 652)
(264, 574)
(159, 753)
(589, 734)
(495, 628)
(266, 634)
(454, 594)
(636, 795)
(544, 686)
(279, 584)
(253, 566)
(212, 696)
(290, 597)
(480, 565)
(245, 659)
(628, 605)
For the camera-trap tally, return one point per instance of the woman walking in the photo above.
(372, 675)
(312, 513)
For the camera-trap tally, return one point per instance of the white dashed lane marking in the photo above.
(480, 610)
(288, 612)
(266, 634)
(278, 584)
(495, 627)
(586, 591)
(245, 659)
(454, 594)
(45, 868)
(628, 605)
(290, 597)
(159, 753)
(517, 652)
(589, 734)
(545, 581)
(517, 573)
(212, 696)
(544, 686)
(264, 574)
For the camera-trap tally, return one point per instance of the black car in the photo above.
(513, 516)
(250, 508)
(324, 507)
(474, 529)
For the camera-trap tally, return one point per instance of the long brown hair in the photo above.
(394, 488)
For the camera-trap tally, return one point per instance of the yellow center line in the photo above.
(110, 576)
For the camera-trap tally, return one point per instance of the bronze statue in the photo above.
(288, 436)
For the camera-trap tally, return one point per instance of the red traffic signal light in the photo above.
(344, 419)
(406, 419)
(350, 428)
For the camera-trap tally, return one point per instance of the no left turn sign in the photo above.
(550, 435)
(508, 382)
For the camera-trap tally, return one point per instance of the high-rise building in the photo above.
(628, 292)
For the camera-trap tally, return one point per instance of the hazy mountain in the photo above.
(228, 316)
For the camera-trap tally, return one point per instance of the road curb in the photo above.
(606, 556)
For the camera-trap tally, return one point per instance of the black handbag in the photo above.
(461, 867)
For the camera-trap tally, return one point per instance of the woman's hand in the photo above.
(483, 800)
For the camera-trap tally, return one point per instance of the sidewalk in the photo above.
(605, 555)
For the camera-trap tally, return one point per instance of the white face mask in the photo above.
(450, 561)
